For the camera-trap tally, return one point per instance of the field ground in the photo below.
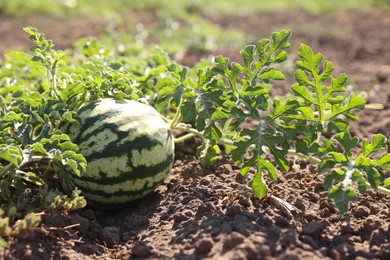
(187, 217)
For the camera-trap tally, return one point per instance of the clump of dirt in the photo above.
(208, 212)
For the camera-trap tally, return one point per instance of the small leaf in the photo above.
(348, 143)
(342, 197)
(378, 143)
(385, 159)
(338, 157)
(335, 176)
(280, 39)
(358, 177)
(33, 178)
(30, 221)
(247, 54)
(309, 61)
(328, 69)
(68, 146)
(38, 148)
(302, 79)
(386, 185)
(326, 164)
(3, 243)
(280, 57)
(303, 93)
(76, 162)
(258, 185)
(269, 167)
(374, 177)
(11, 153)
(271, 74)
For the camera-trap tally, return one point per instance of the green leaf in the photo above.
(348, 143)
(302, 92)
(68, 146)
(374, 177)
(331, 110)
(354, 102)
(384, 161)
(170, 95)
(38, 148)
(342, 197)
(248, 54)
(206, 103)
(328, 69)
(309, 61)
(303, 80)
(379, 142)
(336, 175)
(208, 152)
(326, 164)
(269, 167)
(76, 162)
(338, 157)
(258, 185)
(31, 220)
(271, 74)
(33, 178)
(280, 109)
(280, 39)
(365, 162)
(358, 177)
(3, 243)
(11, 153)
(387, 183)
(280, 57)
(244, 169)
(60, 137)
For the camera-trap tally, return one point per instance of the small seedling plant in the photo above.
(226, 104)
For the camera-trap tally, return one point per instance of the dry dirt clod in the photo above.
(110, 236)
(314, 228)
(384, 251)
(232, 240)
(141, 249)
(204, 245)
(362, 211)
(83, 222)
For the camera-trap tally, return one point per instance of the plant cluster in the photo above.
(227, 104)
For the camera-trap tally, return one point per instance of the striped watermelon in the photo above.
(129, 150)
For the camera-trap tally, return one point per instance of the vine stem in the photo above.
(6, 168)
(375, 106)
(184, 137)
(193, 132)
(304, 157)
(177, 115)
(381, 189)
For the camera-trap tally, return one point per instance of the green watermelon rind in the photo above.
(129, 150)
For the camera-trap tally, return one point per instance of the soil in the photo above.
(207, 212)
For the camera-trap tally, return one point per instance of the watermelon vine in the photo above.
(311, 124)
(227, 104)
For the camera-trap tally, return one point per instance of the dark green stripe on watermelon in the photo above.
(107, 193)
(119, 149)
(138, 173)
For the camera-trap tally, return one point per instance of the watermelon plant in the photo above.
(98, 121)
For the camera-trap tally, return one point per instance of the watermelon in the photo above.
(129, 150)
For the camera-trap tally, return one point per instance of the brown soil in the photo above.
(207, 212)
